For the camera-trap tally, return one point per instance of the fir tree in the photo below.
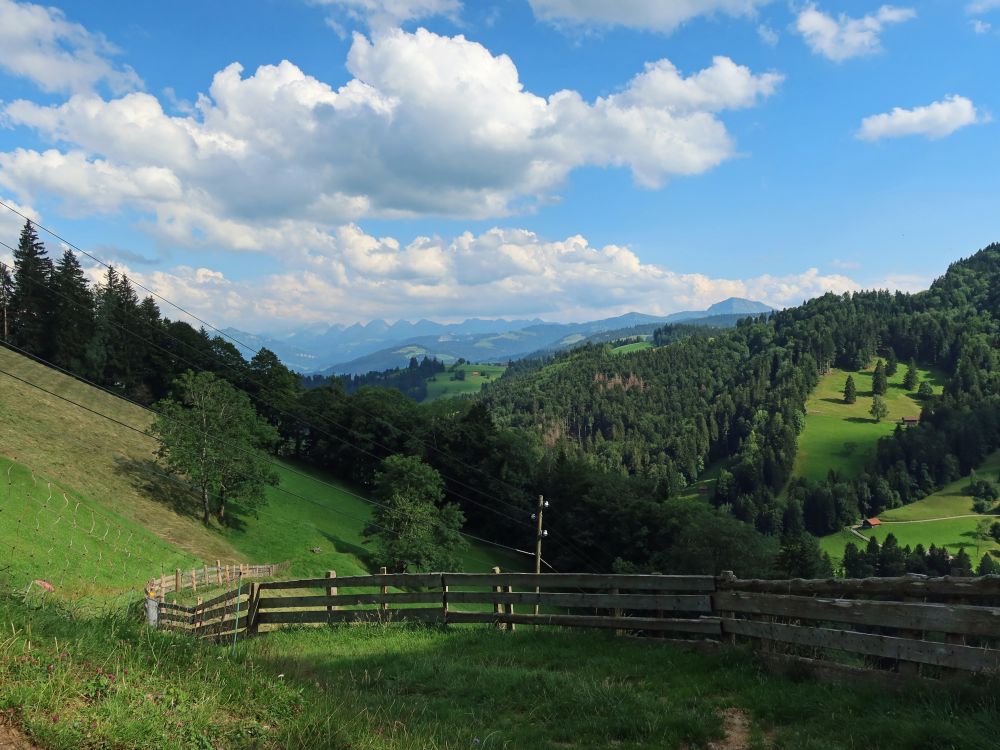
(891, 364)
(988, 566)
(850, 391)
(925, 391)
(31, 299)
(910, 379)
(73, 313)
(879, 383)
(962, 563)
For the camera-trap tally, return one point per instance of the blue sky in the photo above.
(274, 164)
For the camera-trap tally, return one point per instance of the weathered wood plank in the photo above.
(341, 600)
(828, 671)
(582, 581)
(925, 652)
(357, 615)
(703, 625)
(170, 607)
(673, 602)
(222, 598)
(946, 618)
(229, 608)
(894, 587)
(399, 580)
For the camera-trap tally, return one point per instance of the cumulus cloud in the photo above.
(429, 125)
(40, 44)
(844, 37)
(981, 27)
(768, 35)
(652, 15)
(380, 14)
(11, 223)
(501, 272)
(935, 120)
(982, 6)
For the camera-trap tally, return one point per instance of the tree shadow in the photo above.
(838, 401)
(343, 547)
(860, 420)
(151, 479)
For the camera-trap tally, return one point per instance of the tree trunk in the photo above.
(222, 505)
(204, 503)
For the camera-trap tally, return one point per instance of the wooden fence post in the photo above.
(509, 607)
(218, 570)
(497, 605)
(197, 615)
(208, 581)
(252, 609)
(194, 579)
(726, 577)
(616, 612)
(163, 587)
(177, 580)
(385, 590)
(331, 590)
(444, 599)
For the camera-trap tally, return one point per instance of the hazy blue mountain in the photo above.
(378, 345)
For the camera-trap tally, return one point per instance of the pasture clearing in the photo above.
(843, 437)
(442, 385)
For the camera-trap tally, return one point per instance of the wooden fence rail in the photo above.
(215, 575)
(900, 626)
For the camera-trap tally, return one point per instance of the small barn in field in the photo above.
(870, 523)
(909, 421)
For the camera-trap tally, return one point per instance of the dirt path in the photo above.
(12, 738)
(943, 518)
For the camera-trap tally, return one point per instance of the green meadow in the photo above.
(843, 437)
(442, 385)
(637, 346)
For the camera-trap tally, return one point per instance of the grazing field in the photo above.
(945, 518)
(442, 385)
(637, 346)
(111, 469)
(109, 682)
(843, 437)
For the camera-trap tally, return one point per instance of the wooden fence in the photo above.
(900, 626)
(205, 576)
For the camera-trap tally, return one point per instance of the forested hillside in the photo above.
(611, 440)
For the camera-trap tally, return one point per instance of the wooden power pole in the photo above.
(540, 534)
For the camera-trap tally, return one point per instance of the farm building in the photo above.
(910, 421)
(870, 523)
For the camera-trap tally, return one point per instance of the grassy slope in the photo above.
(843, 436)
(442, 386)
(952, 533)
(637, 346)
(399, 688)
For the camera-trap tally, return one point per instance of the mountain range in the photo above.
(378, 345)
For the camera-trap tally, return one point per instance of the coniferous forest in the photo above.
(612, 442)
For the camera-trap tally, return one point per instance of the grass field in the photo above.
(935, 520)
(110, 469)
(637, 346)
(843, 436)
(442, 386)
(112, 683)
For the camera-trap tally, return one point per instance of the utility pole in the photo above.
(540, 534)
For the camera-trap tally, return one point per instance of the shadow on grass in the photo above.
(837, 401)
(339, 545)
(860, 420)
(149, 478)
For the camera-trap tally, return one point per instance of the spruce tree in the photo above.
(850, 391)
(988, 566)
(910, 379)
(879, 383)
(73, 313)
(31, 300)
(891, 364)
(6, 292)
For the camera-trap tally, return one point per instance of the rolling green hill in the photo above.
(443, 386)
(108, 471)
(842, 437)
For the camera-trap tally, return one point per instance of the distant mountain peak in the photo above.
(738, 305)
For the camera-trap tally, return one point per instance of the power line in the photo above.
(269, 461)
(281, 411)
(315, 427)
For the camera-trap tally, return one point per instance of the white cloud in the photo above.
(653, 15)
(935, 120)
(501, 272)
(768, 35)
(429, 125)
(381, 14)
(39, 43)
(982, 6)
(844, 37)
(980, 27)
(11, 223)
